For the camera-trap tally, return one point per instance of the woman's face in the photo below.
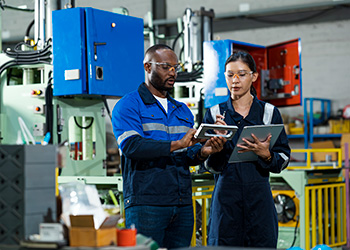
(239, 78)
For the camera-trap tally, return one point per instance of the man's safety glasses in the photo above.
(167, 66)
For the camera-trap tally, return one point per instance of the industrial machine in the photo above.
(196, 27)
(100, 55)
(54, 91)
(310, 206)
(96, 57)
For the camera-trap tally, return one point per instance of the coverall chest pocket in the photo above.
(179, 126)
(184, 120)
(153, 126)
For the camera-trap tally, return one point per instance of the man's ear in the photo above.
(147, 67)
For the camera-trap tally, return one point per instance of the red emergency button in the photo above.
(37, 109)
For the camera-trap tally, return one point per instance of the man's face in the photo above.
(162, 75)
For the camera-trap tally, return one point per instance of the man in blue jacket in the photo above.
(155, 135)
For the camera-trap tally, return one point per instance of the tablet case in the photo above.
(260, 131)
(204, 127)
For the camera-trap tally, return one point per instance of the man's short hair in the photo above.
(151, 50)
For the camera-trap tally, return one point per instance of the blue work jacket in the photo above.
(242, 209)
(152, 175)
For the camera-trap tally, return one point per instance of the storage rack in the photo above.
(310, 121)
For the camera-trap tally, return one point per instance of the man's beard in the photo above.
(158, 84)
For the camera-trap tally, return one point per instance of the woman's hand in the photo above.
(260, 148)
(220, 121)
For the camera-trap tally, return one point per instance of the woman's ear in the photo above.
(255, 76)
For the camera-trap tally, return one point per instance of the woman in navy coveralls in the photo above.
(242, 210)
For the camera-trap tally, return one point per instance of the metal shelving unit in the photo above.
(310, 121)
(308, 118)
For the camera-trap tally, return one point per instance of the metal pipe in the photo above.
(36, 20)
(51, 5)
(74, 134)
(39, 23)
(150, 25)
(87, 138)
(196, 38)
(42, 18)
(180, 30)
(187, 39)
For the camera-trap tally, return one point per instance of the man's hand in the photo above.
(187, 141)
(213, 145)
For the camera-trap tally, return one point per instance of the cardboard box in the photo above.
(323, 156)
(83, 232)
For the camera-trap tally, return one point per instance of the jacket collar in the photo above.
(148, 98)
(254, 113)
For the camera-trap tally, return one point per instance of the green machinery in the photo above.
(79, 124)
(310, 204)
(57, 92)
(75, 120)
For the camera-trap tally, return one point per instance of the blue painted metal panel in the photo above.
(111, 52)
(121, 58)
(68, 50)
(215, 54)
(244, 44)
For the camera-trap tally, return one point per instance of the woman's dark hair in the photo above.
(245, 57)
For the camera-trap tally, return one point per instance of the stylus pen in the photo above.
(223, 114)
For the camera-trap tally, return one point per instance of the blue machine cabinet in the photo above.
(278, 65)
(96, 52)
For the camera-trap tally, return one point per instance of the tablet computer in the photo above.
(203, 133)
(260, 131)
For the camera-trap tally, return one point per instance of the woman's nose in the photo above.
(235, 78)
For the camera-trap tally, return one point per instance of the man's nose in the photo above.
(172, 71)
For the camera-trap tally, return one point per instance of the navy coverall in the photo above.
(152, 175)
(242, 210)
